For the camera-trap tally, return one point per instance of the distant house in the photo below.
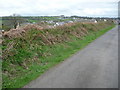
(50, 22)
(74, 18)
(70, 21)
(105, 20)
(62, 16)
(95, 21)
(59, 23)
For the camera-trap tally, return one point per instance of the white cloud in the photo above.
(58, 7)
(97, 11)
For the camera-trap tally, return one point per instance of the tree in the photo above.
(16, 20)
(12, 21)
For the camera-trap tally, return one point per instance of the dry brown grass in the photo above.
(13, 33)
(76, 29)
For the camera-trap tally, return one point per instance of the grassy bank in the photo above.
(25, 58)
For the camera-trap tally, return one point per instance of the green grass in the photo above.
(38, 64)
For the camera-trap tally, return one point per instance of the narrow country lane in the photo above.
(95, 66)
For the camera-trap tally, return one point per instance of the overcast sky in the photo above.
(102, 8)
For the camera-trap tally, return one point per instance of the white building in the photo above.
(105, 20)
(95, 21)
